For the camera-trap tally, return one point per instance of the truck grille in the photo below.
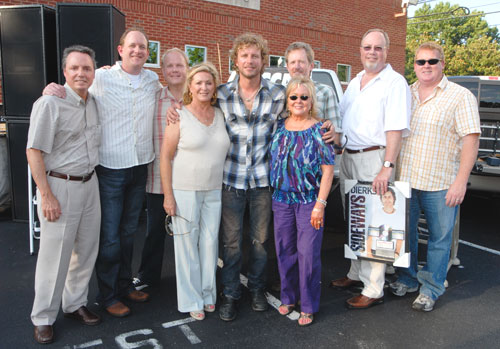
(489, 142)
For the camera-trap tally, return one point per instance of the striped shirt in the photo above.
(430, 156)
(126, 116)
(164, 100)
(327, 105)
(250, 132)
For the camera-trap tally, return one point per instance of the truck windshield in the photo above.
(472, 86)
(490, 96)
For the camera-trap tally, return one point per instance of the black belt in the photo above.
(375, 147)
(83, 178)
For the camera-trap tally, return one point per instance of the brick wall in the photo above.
(332, 27)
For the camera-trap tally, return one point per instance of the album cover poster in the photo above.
(377, 225)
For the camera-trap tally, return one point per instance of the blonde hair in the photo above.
(431, 46)
(179, 51)
(249, 39)
(309, 85)
(206, 67)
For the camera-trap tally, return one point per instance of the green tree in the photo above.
(470, 46)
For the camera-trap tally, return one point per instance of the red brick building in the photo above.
(332, 27)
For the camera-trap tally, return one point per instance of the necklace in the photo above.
(250, 98)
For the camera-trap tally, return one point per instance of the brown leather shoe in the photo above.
(85, 316)
(363, 302)
(118, 310)
(44, 334)
(345, 282)
(137, 296)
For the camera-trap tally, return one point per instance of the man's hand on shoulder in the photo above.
(54, 89)
(330, 136)
(172, 115)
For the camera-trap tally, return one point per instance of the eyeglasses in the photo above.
(374, 48)
(432, 61)
(170, 228)
(303, 98)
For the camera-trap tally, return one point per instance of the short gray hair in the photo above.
(78, 48)
(298, 45)
(376, 30)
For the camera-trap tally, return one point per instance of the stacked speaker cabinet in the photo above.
(29, 55)
(32, 41)
(29, 62)
(96, 26)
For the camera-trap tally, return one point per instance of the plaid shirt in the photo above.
(328, 106)
(164, 100)
(250, 132)
(430, 156)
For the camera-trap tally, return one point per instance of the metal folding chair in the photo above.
(34, 226)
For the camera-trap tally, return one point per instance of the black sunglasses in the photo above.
(304, 98)
(432, 61)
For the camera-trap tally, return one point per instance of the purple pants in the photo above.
(298, 248)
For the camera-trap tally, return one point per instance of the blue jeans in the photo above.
(234, 202)
(440, 221)
(122, 192)
(154, 244)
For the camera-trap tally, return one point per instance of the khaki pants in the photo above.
(364, 167)
(68, 249)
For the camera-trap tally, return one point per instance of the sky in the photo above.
(479, 5)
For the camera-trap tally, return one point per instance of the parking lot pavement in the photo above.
(467, 316)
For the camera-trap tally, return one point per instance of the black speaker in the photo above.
(17, 137)
(29, 55)
(96, 26)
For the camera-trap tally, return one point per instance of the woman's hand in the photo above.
(317, 216)
(169, 204)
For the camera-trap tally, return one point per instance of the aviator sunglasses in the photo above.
(432, 61)
(294, 98)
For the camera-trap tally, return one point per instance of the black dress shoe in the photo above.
(44, 334)
(227, 309)
(85, 316)
(259, 300)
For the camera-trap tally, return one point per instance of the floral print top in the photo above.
(295, 163)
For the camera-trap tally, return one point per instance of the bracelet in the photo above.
(321, 201)
(316, 210)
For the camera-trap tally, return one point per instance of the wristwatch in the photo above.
(388, 164)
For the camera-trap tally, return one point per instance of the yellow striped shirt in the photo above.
(430, 156)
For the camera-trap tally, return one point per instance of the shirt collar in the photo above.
(442, 84)
(233, 85)
(74, 96)
(118, 66)
(381, 75)
(165, 93)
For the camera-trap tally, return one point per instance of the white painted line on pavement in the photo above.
(273, 301)
(177, 322)
(189, 334)
(479, 247)
(87, 345)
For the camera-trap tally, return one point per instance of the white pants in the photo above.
(68, 249)
(196, 229)
(364, 167)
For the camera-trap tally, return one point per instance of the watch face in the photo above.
(388, 164)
